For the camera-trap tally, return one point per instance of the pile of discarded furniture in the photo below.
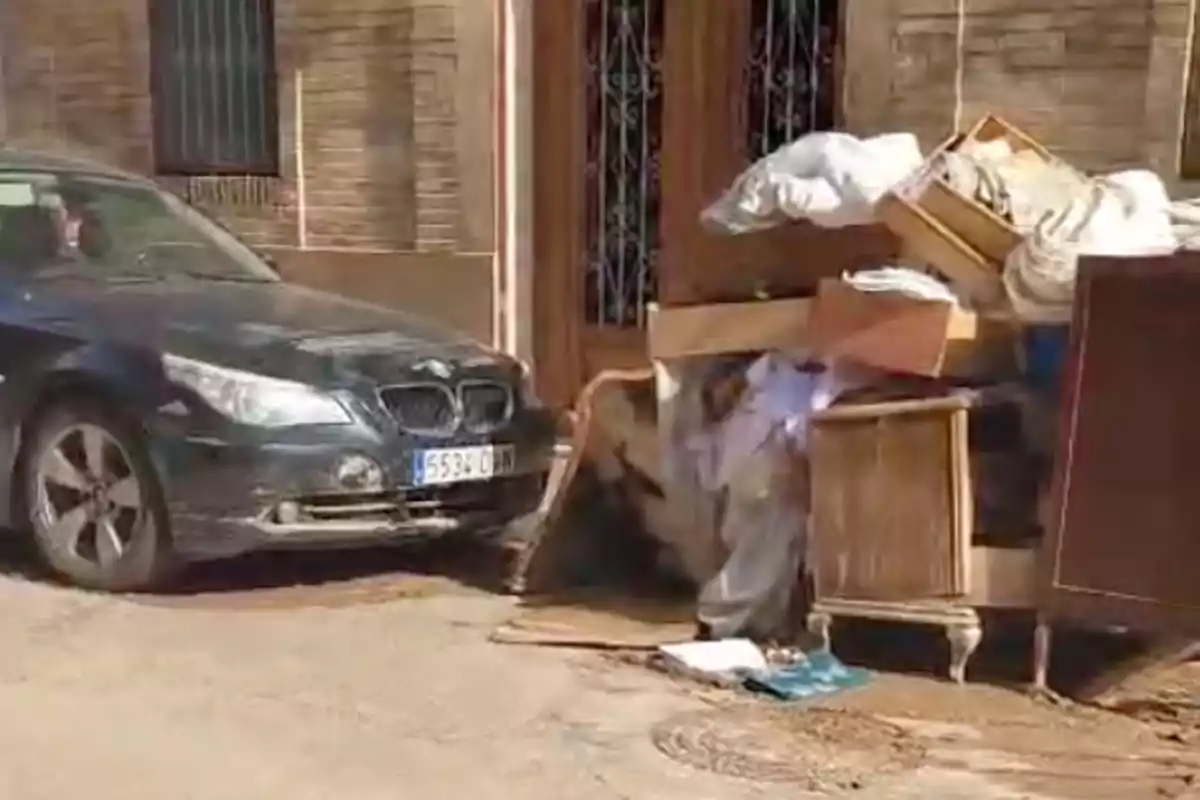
(1005, 417)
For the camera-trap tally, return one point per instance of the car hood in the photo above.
(272, 328)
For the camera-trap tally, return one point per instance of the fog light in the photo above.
(359, 474)
(288, 512)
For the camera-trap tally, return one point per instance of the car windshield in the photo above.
(63, 226)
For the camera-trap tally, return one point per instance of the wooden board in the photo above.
(892, 509)
(606, 623)
(926, 240)
(1125, 540)
(894, 332)
(719, 328)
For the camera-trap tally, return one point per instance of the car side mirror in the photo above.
(270, 261)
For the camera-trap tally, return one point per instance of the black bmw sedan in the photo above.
(166, 397)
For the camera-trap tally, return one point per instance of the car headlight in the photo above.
(254, 399)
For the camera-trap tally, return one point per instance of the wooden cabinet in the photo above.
(894, 522)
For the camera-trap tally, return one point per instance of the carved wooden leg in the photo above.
(964, 640)
(1042, 636)
(818, 624)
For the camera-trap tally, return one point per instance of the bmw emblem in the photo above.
(435, 366)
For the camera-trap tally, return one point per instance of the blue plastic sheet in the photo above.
(816, 675)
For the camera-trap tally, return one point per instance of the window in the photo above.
(213, 83)
(54, 226)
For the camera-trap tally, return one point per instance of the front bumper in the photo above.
(227, 496)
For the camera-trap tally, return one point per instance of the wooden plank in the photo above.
(893, 332)
(867, 411)
(728, 328)
(560, 141)
(927, 239)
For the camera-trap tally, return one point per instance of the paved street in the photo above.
(157, 698)
(403, 699)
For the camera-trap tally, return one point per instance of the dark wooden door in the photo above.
(1125, 549)
(645, 110)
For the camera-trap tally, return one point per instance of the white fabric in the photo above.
(830, 179)
(1124, 214)
(749, 458)
(901, 280)
(778, 399)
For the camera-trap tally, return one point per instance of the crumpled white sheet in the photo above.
(830, 179)
(1123, 214)
(749, 457)
(901, 280)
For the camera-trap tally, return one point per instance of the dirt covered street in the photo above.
(387, 686)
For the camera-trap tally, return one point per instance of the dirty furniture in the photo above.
(894, 523)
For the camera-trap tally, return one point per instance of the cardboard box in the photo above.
(894, 332)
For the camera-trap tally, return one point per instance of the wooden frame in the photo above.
(560, 143)
(704, 49)
(949, 580)
(1133, 328)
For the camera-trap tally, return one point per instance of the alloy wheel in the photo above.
(88, 496)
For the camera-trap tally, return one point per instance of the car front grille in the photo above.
(425, 407)
(485, 405)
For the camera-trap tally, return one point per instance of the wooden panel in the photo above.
(728, 328)
(891, 501)
(704, 48)
(1126, 543)
(560, 143)
(453, 290)
(703, 57)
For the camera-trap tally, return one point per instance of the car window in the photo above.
(93, 227)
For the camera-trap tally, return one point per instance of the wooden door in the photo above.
(644, 111)
(1125, 548)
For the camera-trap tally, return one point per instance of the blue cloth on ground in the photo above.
(817, 674)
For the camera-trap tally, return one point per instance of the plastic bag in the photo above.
(830, 179)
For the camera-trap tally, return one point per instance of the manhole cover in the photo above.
(819, 749)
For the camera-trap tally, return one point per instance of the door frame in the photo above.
(566, 350)
(704, 51)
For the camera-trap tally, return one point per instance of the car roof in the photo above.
(22, 160)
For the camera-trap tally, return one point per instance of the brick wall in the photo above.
(396, 104)
(1099, 81)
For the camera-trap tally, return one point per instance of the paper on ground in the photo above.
(718, 657)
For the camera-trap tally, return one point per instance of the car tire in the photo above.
(93, 500)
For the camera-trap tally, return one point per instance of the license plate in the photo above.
(460, 464)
